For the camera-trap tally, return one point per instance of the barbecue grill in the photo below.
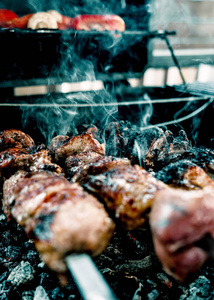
(52, 59)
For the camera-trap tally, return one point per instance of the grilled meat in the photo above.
(166, 149)
(179, 223)
(13, 138)
(184, 174)
(59, 216)
(182, 218)
(78, 167)
(124, 139)
(129, 191)
(14, 159)
(61, 147)
(154, 148)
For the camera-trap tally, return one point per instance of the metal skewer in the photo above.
(90, 282)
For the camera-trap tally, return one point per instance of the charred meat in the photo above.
(59, 216)
(62, 147)
(179, 221)
(13, 138)
(169, 149)
(154, 148)
(129, 191)
(184, 174)
(78, 167)
(30, 159)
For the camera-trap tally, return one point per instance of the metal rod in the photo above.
(176, 121)
(176, 62)
(92, 285)
(122, 103)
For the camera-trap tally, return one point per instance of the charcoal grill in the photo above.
(51, 58)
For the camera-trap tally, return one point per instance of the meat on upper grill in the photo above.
(59, 216)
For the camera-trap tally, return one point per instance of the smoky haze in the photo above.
(56, 118)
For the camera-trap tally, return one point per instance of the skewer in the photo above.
(92, 285)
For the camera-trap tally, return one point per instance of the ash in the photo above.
(129, 265)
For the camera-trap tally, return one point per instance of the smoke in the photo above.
(166, 12)
(63, 114)
(82, 58)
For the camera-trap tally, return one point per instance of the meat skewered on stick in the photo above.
(57, 215)
(130, 192)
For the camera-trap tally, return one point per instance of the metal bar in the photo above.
(175, 60)
(92, 285)
(138, 102)
(175, 121)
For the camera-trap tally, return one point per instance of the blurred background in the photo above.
(193, 21)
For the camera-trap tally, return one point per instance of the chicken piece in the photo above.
(128, 191)
(78, 167)
(42, 20)
(59, 216)
(179, 221)
(61, 147)
(15, 159)
(12, 138)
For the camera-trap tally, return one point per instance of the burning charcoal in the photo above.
(200, 289)
(124, 139)
(13, 252)
(2, 219)
(153, 295)
(164, 279)
(174, 172)
(46, 280)
(137, 294)
(5, 287)
(28, 295)
(57, 294)
(22, 274)
(33, 257)
(147, 289)
(6, 238)
(3, 276)
(40, 293)
(135, 267)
